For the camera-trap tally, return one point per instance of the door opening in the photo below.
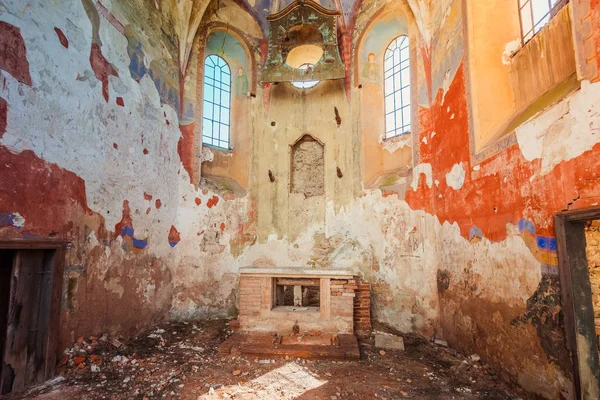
(6, 264)
(578, 242)
(592, 250)
(30, 293)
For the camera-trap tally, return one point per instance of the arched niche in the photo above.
(230, 165)
(230, 44)
(307, 167)
(386, 25)
(386, 162)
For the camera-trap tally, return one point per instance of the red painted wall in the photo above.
(507, 194)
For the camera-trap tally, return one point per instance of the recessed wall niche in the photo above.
(308, 167)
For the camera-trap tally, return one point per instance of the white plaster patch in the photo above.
(424, 139)
(422, 15)
(509, 50)
(456, 177)
(206, 154)
(391, 145)
(17, 220)
(113, 286)
(419, 169)
(92, 240)
(446, 84)
(564, 131)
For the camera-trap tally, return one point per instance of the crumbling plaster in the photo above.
(126, 157)
(565, 131)
(466, 255)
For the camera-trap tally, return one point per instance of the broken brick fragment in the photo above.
(95, 358)
(79, 361)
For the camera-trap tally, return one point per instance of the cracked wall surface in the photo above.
(98, 147)
(89, 151)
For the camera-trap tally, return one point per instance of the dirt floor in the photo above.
(180, 361)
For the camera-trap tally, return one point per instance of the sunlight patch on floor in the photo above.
(284, 383)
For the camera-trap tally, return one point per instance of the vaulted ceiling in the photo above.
(186, 16)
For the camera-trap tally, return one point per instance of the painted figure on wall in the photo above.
(92, 13)
(371, 72)
(241, 83)
(229, 47)
(137, 65)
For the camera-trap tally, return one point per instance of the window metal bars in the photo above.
(397, 88)
(533, 19)
(216, 113)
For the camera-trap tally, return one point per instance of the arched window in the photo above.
(217, 99)
(396, 69)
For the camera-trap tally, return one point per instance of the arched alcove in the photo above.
(230, 163)
(387, 145)
(308, 167)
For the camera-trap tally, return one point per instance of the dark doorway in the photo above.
(572, 236)
(6, 264)
(30, 284)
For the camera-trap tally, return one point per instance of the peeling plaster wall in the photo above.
(504, 208)
(459, 249)
(511, 81)
(89, 153)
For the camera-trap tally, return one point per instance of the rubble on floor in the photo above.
(180, 361)
(389, 342)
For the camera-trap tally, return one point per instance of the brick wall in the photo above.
(342, 297)
(362, 309)
(250, 295)
(348, 309)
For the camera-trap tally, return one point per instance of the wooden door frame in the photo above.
(577, 299)
(58, 246)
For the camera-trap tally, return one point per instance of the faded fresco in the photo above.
(229, 47)
(99, 146)
(374, 43)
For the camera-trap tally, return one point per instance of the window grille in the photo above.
(305, 84)
(535, 14)
(217, 99)
(396, 67)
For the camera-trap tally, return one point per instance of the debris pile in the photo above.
(180, 361)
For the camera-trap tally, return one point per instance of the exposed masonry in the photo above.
(592, 237)
(308, 167)
(92, 151)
